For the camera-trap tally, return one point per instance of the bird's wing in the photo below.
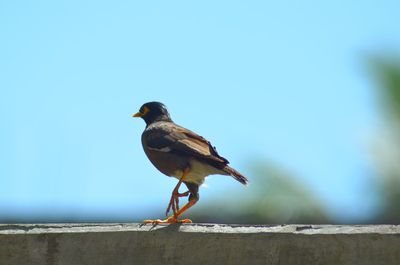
(176, 139)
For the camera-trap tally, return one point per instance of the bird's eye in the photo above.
(145, 110)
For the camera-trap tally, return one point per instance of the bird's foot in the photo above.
(169, 220)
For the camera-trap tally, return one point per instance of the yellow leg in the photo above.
(174, 218)
(174, 201)
(186, 207)
(174, 205)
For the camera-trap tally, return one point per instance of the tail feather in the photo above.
(236, 175)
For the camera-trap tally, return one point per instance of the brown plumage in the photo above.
(180, 153)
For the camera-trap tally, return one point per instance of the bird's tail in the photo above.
(236, 175)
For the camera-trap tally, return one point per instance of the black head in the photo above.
(153, 111)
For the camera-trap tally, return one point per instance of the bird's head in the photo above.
(153, 111)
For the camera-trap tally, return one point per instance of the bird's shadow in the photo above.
(163, 227)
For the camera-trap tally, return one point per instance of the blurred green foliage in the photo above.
(386, 72)
(273, 196)
(276, 196)
(386, 147)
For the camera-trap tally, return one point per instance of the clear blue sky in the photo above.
(282, 80)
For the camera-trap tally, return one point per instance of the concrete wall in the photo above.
(116, 244)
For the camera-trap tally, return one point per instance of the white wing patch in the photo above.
(164, 149)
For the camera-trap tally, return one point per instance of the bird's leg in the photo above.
(174, 218)
(193, 199)
(185, 208)
(174, 204)
(174, 201)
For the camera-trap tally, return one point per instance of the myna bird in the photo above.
(180, 153)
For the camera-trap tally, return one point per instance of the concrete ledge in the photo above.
(198, 244)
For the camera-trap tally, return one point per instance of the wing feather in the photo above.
(175, 138)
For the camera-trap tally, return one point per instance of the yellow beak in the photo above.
(137, 115)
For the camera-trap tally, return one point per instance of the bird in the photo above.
(181, 153)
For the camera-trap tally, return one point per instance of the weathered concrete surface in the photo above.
(115, 244)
